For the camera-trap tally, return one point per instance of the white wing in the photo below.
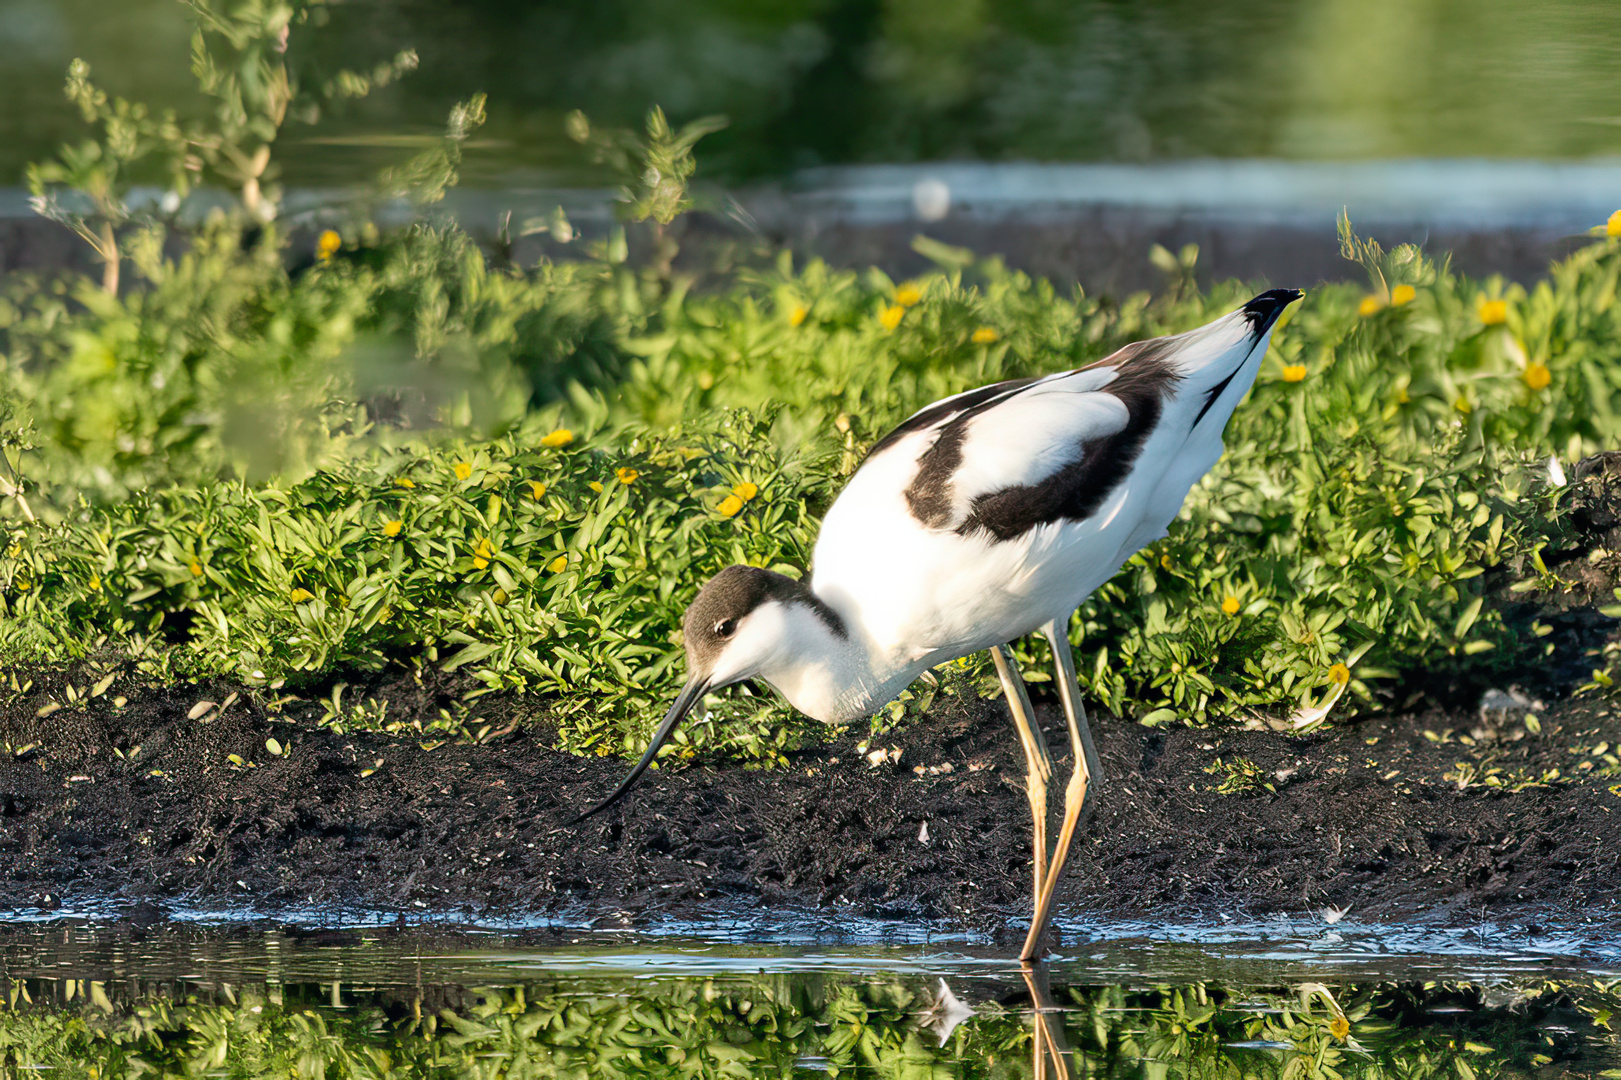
(1011, 435)
(1031, 435)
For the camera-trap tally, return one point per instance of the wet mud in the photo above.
(1400, 818)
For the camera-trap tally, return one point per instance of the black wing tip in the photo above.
(1264, 310)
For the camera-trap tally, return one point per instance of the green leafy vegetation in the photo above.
(765, 1025)
(403, 453)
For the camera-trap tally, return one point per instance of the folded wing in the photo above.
(1009, 457)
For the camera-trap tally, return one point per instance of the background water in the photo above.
(815, 82)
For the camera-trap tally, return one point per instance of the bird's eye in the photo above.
(725, 627)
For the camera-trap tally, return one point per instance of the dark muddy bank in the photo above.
(1396, 818)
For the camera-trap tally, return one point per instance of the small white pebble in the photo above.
(923, 834)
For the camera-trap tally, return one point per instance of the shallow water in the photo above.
(1269, 999)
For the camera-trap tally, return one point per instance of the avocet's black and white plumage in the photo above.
(984, 517)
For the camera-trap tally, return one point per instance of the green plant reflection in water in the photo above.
(771, 1025)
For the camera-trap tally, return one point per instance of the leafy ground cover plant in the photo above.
(1345, 535)
(276, 464)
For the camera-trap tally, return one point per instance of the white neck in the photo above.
(831, 677)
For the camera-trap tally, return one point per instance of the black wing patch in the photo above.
(1075, 491)
(1260, 313)
(1215, 392)
(1264, 310)
(971, 402)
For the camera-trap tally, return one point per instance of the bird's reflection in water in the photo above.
(1049, 1048)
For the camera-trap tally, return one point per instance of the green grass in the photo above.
(233, 469)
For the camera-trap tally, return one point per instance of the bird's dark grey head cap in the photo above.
(728, 598)
(723, 603)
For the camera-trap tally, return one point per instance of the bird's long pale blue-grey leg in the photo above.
(1048, 1025)
(1079, 794)
(1038, 763)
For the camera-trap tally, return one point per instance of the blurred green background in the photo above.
(810, 82)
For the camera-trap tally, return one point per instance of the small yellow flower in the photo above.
(908, 294)
(1402, 294)
(537, 490)
(404, 482)
(796, 314)
(95, 583)
(481, 553)
(1494, 312)
(558, 565)
(298, 596)
(1230, 605)
(746, 491)
(595, 487)
(195, 567)
(1339, 674)
(1613, 226)
(464, 469)
(1165, 562)
(392, 528)
(1536, 375)
(327, 244)
(1294, 372)
(1340, 1026)
(890, 317)
(730, 506)
(985, 335)
(626, 476)
(1371, 305)
(561, 437)
(22, 586)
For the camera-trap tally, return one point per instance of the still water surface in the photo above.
(381, 1002)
